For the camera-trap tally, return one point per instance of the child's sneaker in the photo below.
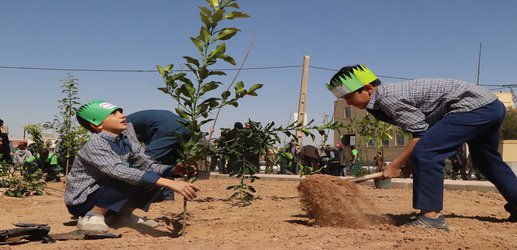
(425, 222)
(92, 223)
(513, 213)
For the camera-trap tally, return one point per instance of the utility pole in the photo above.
(479, 63)
(303, 96)
(323, 141)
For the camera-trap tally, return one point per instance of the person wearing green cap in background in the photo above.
(47, 162)
(112, 175)
(441, 114)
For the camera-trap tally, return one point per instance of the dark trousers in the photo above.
(480, 129)
(116, 195)
(161, 150)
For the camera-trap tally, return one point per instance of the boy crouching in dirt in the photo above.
(441, 114)
(112, 174)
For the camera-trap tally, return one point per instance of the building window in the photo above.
(348, 112)
(385, 143)
(348, 140)
(399, 140)
(371, 143)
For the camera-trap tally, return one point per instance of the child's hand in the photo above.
(391, 171)
(188, 190)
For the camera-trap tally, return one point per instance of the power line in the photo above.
(135, 70)
(221, 69)
(154, 71)
(75, 69)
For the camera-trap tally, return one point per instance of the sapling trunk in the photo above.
(67, 167)
(184, 226)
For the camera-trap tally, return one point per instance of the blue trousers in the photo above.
(480, 130)
(117, 195)
(162, 150)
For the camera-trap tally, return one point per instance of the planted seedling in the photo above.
(195, 91)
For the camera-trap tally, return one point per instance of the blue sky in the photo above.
(409, 39)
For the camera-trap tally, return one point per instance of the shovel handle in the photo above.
(367, 177)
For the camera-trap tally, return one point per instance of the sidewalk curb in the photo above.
(479, 186)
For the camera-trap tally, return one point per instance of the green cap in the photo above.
(96, 111)
(349, 82)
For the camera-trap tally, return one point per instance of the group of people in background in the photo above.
(29, 160)
(339, 161)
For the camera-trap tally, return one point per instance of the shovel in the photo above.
(366, 177)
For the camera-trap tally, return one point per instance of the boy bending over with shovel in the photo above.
(101, 181)
(441, 114)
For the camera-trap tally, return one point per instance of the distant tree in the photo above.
(35, 131)
(509, 126)
(71, 136)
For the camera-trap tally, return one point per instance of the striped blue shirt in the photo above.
(107, 156)
(417, 105)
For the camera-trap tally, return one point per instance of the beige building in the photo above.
(506, 98)
(345, 114)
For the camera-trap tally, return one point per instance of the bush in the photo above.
(509, 126)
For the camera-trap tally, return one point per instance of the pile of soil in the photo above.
(332, 201)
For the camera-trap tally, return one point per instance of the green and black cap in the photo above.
(96, 111)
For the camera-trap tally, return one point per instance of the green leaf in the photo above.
(218, 15)
(255, 87)
(205, 11)
(225, 94)
(205, 122)
(194, 70)
(204, 35)
(228, 59)
(219, 73)
(164, 90)
(212, 102)
(210, 86)
(239, 86)
(217, 52)
(226, 33)
(205, 19)
(188, 90)
(234, 5)
(198, 43)
(191, 60)
(161, 70)
(236, 14)
(213, 3)
(178, 76)
(182, 113)
(203, 73)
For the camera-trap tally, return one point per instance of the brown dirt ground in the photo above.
(276, 220)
